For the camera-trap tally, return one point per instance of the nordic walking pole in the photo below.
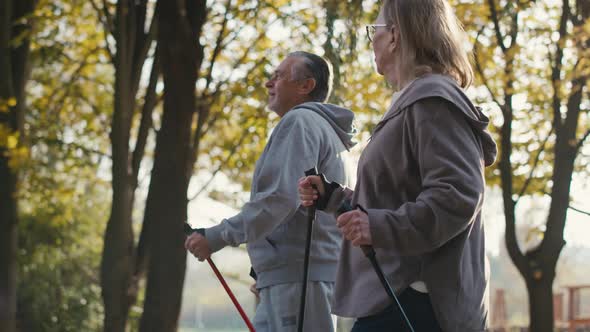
(369, 252)
(310, 220)
(188, 230)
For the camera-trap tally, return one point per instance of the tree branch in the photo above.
(60, 142)
(514, 31)
(581, 142)
(222, 164)
(480, 70)
(535, 163)
(216, 95)
(579, 211)
(556, 70)
(217, 89)
(204, 111)
(218, 45)
(252, 43)
(569, 205)
(106, 20)
(64, 89)
(103, 16)
(496, 21)
(236, 33)
(108, 16)
(143, 44)
(150, 101)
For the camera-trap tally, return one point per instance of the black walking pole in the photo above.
(310, 220)
(369, 252)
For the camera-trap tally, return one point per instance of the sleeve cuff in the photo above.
(214, 237)
(379, 236)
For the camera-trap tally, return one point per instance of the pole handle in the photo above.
(310, 172)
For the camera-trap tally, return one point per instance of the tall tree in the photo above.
(61, 192)
(530, 57)
(133, 42)
(15, 31)
(341, 49)
(180, 24)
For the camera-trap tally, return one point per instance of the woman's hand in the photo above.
(307, 194)
(354, 226)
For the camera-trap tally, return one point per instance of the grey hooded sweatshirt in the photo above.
(272, 223)
(421, 180)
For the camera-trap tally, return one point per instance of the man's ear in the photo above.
(306, 86)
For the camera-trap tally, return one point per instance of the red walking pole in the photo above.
(188, 230)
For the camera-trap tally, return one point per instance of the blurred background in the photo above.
(121, 119)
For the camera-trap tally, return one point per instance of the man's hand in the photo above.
(307, 194)
(354, 226)
(198, 246)
(254, 291)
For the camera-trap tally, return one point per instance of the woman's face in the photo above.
(380, 42)
(384, 45)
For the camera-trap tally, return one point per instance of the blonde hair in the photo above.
(431, 39)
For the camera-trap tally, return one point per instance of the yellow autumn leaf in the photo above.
(11, 141)
(18, 157)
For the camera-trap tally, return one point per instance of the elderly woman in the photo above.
(420, 183)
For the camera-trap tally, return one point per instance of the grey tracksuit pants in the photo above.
(278, 310)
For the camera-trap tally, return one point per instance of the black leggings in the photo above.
(417, 307)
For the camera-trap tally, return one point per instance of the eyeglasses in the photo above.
(276, 76)
(371, 29)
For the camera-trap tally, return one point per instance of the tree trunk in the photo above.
(119, 288)
(179, 27)
(540, 304)
(116, 265)
(14, 71)
(8, 221)
(117, 259)
(330, 53)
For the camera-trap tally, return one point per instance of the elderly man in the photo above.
(310, 133)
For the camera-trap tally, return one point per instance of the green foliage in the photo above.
(59, 251)
(521, 77)
(70, 90)
(63, 192)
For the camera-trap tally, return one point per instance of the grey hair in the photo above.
(317, 68)
(431, 39)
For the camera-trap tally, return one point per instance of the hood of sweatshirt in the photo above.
(434, 85)
(339, 118)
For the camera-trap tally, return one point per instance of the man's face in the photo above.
(284, 91)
